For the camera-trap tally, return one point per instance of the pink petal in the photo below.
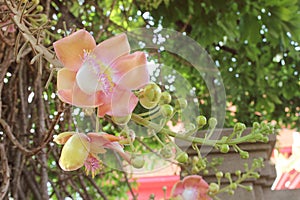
(111, 49)
(194, 181)
(70, 50)
(104, 140)
(69, 92)
(120, 103)
(177, 189)
(130, 71)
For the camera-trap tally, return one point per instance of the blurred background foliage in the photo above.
(254, 44)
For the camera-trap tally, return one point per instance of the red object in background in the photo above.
(289, 180)
(154, 185)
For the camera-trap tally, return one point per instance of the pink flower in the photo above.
(100, 75)
(190, 188)
(83, 149)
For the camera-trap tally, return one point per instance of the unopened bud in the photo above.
(214, 188)
(224, 148)
(244, 154)
(165, 98)
(182, 157)
(239, 127)
(180, 104)
(212, 122)
(137, 161)
(166, 110)
(201, 121)
(150, 96)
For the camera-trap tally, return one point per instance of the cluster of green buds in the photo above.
(216, 188)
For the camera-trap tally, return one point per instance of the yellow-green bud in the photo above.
(150, 96)
(244, 154)
(201, 121)
(39, 8)
(224, 148)
(214, 188)
(239, 127)
(180, 104)
(219, 174)
(238, 172)
(165, 98)
(137, 161)
(182, 157)
(212, 122)
(233, 186)
(166, 110)
(201, 164)
(231, 192)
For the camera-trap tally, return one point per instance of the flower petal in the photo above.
(62, 138)
(111, 49)
(69, 92)
(70, 50)
(99, 140)
(120, 103)
(130, 71)
(195, 181)
(177, 189)
(74, 152)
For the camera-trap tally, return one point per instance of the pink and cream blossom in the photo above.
(192, 187)
(102, 75)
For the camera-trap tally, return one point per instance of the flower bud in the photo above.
(201, 164)
(121, 120)
(165, 98)
(180, 104)
(39, 8)
(256, 125)
(233, 186)
(212, 122)
(219, 174)
(244, 154)
(137, 161)
(214, 188)
(166, 110)
(224, 148)
(182, 157)
(201, 121)
(150, 96)
(195, 170)
(239, 127)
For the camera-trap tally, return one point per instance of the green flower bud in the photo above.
(249, 188)
(166, 110)
(256, 125)
(231, 192)
(227, 175)
(214, 188)
(39, 8)
(256, 175)
(201, 121)
(182, 157)
(150, 96)
(224, 148)
(180, 104)
(239, 127)
(121, 120)
(219, 174)
(201, 164)
(233, 186)
(165, 98)
(212, 122)
(137, 161)
(205, 172)
(265, 139)
(244, 154)
(164, 188)
(238, 172)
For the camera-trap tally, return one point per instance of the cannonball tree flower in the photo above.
(82, 150)
(102, 75)
(190, 188)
